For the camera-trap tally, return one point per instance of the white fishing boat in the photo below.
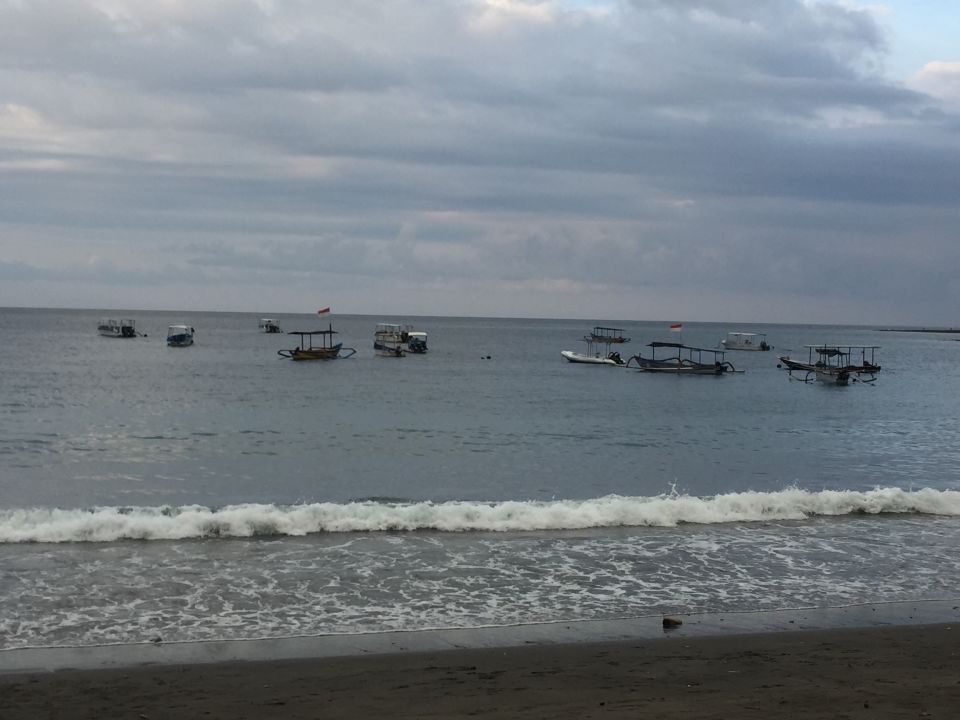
(122, 328)
(388, 340)
(598, 351)
(416, 342)
(745, 341)
(179, 335)
(835, 364)
(270, 325)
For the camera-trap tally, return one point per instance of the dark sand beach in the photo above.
(879, 672)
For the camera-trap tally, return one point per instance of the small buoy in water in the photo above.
(671, 623)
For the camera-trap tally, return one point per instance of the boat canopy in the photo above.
(306, 338)
(681, 346)
(331, 331)
(834, 350)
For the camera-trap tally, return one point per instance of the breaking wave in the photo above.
(104, 524)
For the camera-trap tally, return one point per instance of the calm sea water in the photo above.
(220, 492)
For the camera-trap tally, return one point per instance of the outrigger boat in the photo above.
(326, 350)
(834, 365)
(604, 336)
(745, 341)
(685, 360)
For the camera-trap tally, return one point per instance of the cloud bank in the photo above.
(704, 160)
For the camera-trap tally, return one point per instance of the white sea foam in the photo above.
(104, 524)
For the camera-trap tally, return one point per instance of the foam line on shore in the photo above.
(922, 612)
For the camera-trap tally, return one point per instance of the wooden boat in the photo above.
(745, 341)
(599, 336)
(389, 340)
(123, 328)
(326, 350)
(835, 364)
(180, 336)
(269, 325)
(681, 359)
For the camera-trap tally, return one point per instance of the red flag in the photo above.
(676, 327)
(323, 311)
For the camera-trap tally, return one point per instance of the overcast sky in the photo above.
(761, 161)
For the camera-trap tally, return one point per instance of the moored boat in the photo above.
(834, 364)
(611, 358)
(599, 337)
(122, 328)
(327, 349)
(180, 335)
(681, 359)
(416, 342)
(745, 341)
(389, 341)
(270, 325)
(608, 335)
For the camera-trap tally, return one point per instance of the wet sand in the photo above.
(879, 672)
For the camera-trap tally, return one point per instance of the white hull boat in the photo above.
(123, 328)
(745, 341)
(388, 340)
(591, 359)
(180, 336)
(599, 336)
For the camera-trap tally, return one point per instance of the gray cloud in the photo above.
(573, 157)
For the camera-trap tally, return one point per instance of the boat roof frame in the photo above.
(718, 355)
(306, 338)
(601, 335)
(829, 352)
(842, 347)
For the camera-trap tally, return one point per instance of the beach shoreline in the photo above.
(648, 627)
(866, 672)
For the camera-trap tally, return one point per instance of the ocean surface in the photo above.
(221, 492)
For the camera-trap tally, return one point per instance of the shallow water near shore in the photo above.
(219, 493)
